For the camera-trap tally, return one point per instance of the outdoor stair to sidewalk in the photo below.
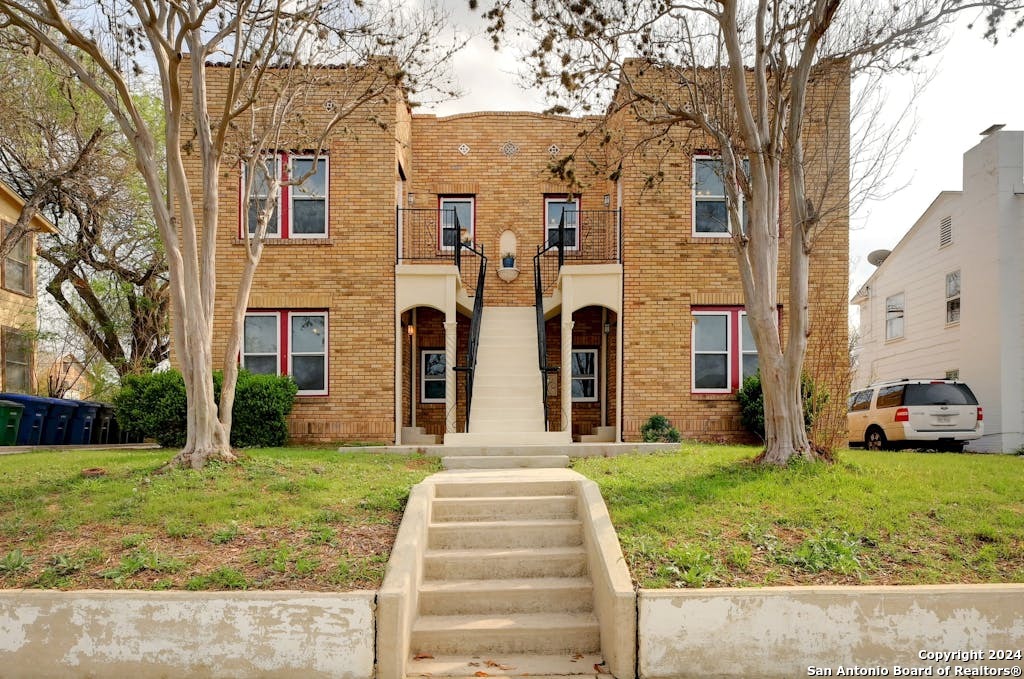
(506, 588)
(417, 436)
(507, 395)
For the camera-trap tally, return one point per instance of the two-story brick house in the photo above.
(367, 297)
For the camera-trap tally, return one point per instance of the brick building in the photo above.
(367, 298)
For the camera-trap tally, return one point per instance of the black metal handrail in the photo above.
(582, 237)
(474, 328)
(542, 339)
(427, 234)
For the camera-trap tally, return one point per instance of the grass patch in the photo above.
(324, 520)
(703, 516)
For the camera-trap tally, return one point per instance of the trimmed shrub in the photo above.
(751, 400)
(657, 428)
(154, 406)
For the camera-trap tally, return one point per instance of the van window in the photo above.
(890, 397)
(860, 400)
(939, 394)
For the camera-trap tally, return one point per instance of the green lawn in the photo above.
(704, 517)
(288, 518)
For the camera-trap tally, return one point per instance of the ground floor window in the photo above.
(432, 376)
(722, 349)
(17, 361)
(289, 342)
(584, 375)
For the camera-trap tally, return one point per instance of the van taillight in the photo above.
(902, 415)
(981, 414)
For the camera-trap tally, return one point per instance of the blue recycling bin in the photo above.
(58, 422)
(103, 424)
(33, 418)
(80, 429)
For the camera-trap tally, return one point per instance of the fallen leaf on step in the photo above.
(577, 656)
(473, 664)
(600, 668)
(491, 663)
(481, 674)
(423, 656)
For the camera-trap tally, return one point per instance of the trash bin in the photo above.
(58, 422)
(10, 418)
(33, 417)
(80, 429)
(102, 425)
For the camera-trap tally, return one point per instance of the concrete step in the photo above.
(494, 534)
(507, 380)
(458, 451)
(500, 488)
(493, 508)
(505, 462)
(416, 436)
(546, 633)
(483, 564)
(530, 438)
(478, 423)
(564, 666)
(511, 402)
(523, 595)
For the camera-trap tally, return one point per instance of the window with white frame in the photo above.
(584, 375)
(457, 220)
(432, 376)
(288, 343)
(748, 350)
(953, 297)
(562, 213)
(894, 316)
(710, 202)
(300, 210)
(712, 370)
(17, 272)
(722, 347)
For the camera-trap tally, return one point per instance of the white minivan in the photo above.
(914, 413)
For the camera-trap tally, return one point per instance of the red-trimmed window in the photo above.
(457, 220)
(722, 350)
(288, 342)
(299, 211)
(565, 211)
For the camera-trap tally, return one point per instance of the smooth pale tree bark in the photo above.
(275, 50)
(741, 75)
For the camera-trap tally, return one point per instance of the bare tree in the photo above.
(277, 52)
(741, 79)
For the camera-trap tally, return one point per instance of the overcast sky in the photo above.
(974, 85)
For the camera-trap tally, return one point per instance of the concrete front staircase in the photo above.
(506, 586)
(417, 436)
(507, 408)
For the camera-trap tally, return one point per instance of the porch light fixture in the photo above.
(411, 329)
(412, 198)
(607, 328)
(607, 200)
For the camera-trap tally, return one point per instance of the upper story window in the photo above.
(458, 220)
(710, 206)
(584, 375)
(562, 213)
(894, 314)
(17, 271)
(299, 211)
(288, 343)
(953, 297)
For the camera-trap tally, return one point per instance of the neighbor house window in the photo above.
(564, 212)
(299, 211)
(722, 348)
(432, 376)
(584, 375)
(953, 297)
(17, 360)
(710, 206)
(17, 273)
(894, 313)
(457, 220)
(288, 343)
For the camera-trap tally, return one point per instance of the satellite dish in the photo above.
(878, 256)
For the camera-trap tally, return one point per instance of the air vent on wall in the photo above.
(945, 231)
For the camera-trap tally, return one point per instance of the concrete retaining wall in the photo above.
(194, 634)
(812, 631)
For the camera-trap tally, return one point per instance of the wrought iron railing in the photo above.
(581, 237)
(427, 234)
(469, 369)
(542, 338)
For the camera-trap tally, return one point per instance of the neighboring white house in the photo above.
(948, 301)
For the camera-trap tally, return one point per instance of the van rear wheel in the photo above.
(874, 439)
